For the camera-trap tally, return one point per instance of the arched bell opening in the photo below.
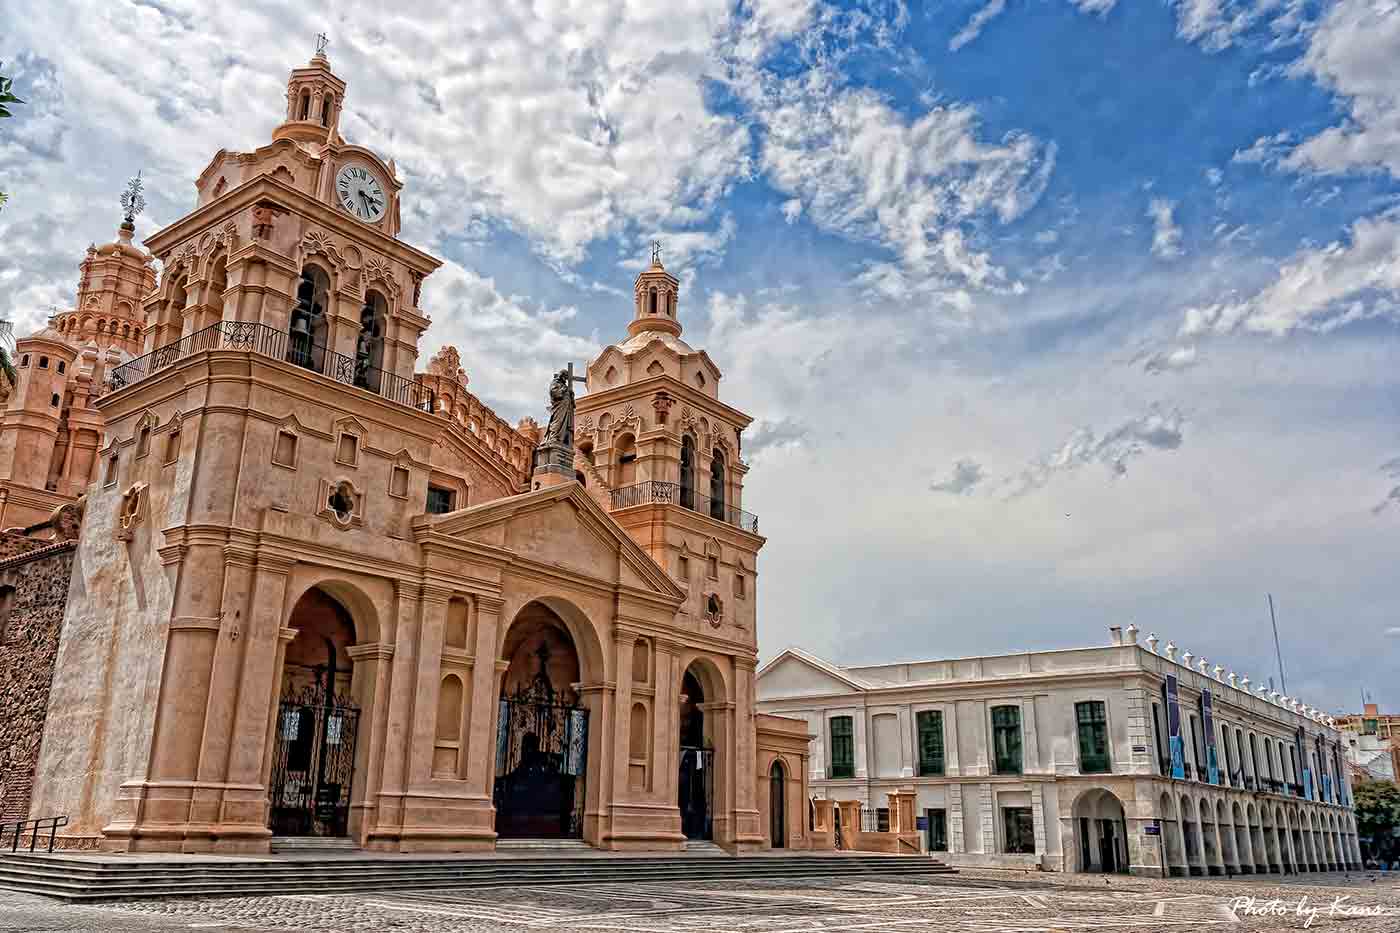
(542, 761)
(717, 484)
(688, 472)
(308, 327)
(369, 344)
(313, 764)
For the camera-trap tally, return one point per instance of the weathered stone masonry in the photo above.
(34, 577)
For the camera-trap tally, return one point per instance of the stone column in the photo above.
(230, 648)
(259, 688)
(622, 714)
(666, 727)
(370, 689)
(748, 830)
(1245, 853)
(824, 833)
(598, 699)
(426, 683)
(487, 670)
(393, 786)
(850, 823)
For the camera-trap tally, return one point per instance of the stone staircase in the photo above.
(96, 878)
(285, 844)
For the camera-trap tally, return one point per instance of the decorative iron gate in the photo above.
(541, 763)
(697, 792)
(313, 764)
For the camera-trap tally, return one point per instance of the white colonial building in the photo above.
(1115, 758)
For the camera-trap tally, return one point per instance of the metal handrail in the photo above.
(51, 822)
(252, 337)
(658, 492)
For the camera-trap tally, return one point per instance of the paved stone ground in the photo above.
(970, 902)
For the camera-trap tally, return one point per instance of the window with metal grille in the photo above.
(843, 747)
(1093, 736)
(1006, 739)
(930, 722)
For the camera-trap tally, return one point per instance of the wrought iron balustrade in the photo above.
(656, 492)
(252, 337)
(32, 828)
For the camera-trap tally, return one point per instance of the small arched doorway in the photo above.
(777, 806)
(541, 732)
(1102, 832)
(314, 752)
(696, 786)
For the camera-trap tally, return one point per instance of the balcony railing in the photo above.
(656, 492)
(279, 345)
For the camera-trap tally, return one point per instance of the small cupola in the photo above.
(314, 100)
(657, 293)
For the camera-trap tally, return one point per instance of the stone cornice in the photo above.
(643, 389)
(194, 623)
(377, 651)
(264, 187)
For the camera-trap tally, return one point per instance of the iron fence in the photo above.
(252, 337)
(656, 492)
(33, 828)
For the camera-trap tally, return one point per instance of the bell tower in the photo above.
(314, 99)
(660, 450)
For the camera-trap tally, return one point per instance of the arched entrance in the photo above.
(541, 731)
(777, 806)
(313, 759)
(696, 787)
(1101, 831)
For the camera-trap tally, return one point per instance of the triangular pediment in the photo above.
(797, 674)
(561, 526)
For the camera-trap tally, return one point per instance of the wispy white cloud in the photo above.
(1353, 51)
(1391, 469)
(1155, 430)
(966, 476)
(1172, 359)
(1318, 289)
(995, 8)
(1166, 235)
(973, 29)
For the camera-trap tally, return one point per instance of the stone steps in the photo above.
(75, 879)
(282, 844)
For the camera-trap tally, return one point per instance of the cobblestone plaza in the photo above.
(977, 902)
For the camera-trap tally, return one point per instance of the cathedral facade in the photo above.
(317, 591)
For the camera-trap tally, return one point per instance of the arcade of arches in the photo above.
(1141, 827)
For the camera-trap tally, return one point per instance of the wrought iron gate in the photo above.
(313, 764)
(541, 764)
(697, 792)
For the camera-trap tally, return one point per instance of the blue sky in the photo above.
(1053, 314)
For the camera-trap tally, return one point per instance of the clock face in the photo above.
(359, 193)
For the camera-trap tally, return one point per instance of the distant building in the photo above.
(1371, 742)
(1115, 758)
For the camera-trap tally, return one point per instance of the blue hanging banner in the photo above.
(1212, 756)
(1303, 763)
(1178, 750)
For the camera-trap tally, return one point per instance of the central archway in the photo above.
(696, 787)
(541, 731)
(1101, 829)
(314, 752)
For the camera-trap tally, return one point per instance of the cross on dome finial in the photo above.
(321, 42)
(656, 252)
(133, 202)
